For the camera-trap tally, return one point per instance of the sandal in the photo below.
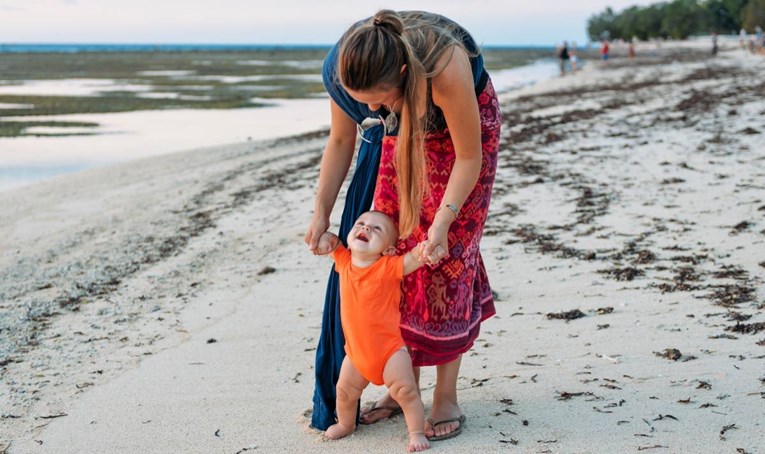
(394, 411)
(451, 434)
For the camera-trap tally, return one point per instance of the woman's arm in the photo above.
(335, 162)
(454, 92)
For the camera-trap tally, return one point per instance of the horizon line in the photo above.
(239, 44)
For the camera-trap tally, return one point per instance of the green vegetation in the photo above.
(754, 14)
(678, 19)
(119, 102)
(18, 128)
(129, 65)
(185, 80)
(199, 79)
(496, 58)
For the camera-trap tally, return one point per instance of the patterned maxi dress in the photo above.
(443, 306)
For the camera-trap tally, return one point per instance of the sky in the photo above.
(492, 22)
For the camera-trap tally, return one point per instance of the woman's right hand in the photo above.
(319, 224)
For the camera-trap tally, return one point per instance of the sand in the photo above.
(170, 305)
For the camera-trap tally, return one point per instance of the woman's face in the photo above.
(378, 97)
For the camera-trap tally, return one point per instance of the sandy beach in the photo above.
(169, 304)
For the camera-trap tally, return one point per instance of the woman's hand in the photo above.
(437, 245)
(319, 224)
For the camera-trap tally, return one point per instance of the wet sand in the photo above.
(169, 304)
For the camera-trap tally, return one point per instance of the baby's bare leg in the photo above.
(350, 384)
(402, 386)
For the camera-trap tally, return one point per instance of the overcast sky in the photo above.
(492, 22)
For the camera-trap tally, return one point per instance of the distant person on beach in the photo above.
(414, 86)
(370, 293)
(631, 49)
(742, 38)
(573, 57)
(715, 47)
(604, 49)
(563, 56)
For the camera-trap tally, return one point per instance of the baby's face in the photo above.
(372, 233)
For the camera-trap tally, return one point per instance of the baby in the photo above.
(370, 293)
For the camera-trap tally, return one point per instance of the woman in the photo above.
(413, 83)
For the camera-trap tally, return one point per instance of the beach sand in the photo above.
(170, 305)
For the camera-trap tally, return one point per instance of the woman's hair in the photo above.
(371, 56)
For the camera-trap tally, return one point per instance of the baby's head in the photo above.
(373, 234)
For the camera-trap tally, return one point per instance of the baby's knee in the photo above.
(404, 390)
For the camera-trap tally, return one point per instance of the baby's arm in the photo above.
(412, 259)
(328, 242)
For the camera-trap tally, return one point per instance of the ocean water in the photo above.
(132, 135)
(85, 47)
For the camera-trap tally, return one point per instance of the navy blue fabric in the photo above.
(330, 350)
(354, 109)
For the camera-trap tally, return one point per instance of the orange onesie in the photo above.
(369, 311)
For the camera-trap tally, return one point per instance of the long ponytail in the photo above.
(371, 56)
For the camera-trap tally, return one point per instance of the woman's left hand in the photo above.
(437, 245)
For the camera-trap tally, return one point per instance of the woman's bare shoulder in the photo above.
(455, 75)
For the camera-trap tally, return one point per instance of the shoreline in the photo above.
(176, 309)
(135, 135)
(138, 134)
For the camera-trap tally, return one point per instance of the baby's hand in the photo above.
(415, 259)
(419, 252)
(328, 242)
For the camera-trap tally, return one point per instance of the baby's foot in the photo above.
(418, 442)
(336, 431)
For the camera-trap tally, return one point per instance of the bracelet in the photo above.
(451, 207)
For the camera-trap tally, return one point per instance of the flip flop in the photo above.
(394, 411)
(451, 434)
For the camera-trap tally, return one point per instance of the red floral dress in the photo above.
(442, 307)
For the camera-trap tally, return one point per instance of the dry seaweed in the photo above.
(568, 315)
(623, 274)
(266, 270)
(670, 353)
(746, 328)
(565, 395)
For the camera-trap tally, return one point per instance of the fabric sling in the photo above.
(330, 350)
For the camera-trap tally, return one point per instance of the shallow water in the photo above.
(67, 87)
(133, 135)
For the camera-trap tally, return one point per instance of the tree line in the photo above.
(677, 19)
